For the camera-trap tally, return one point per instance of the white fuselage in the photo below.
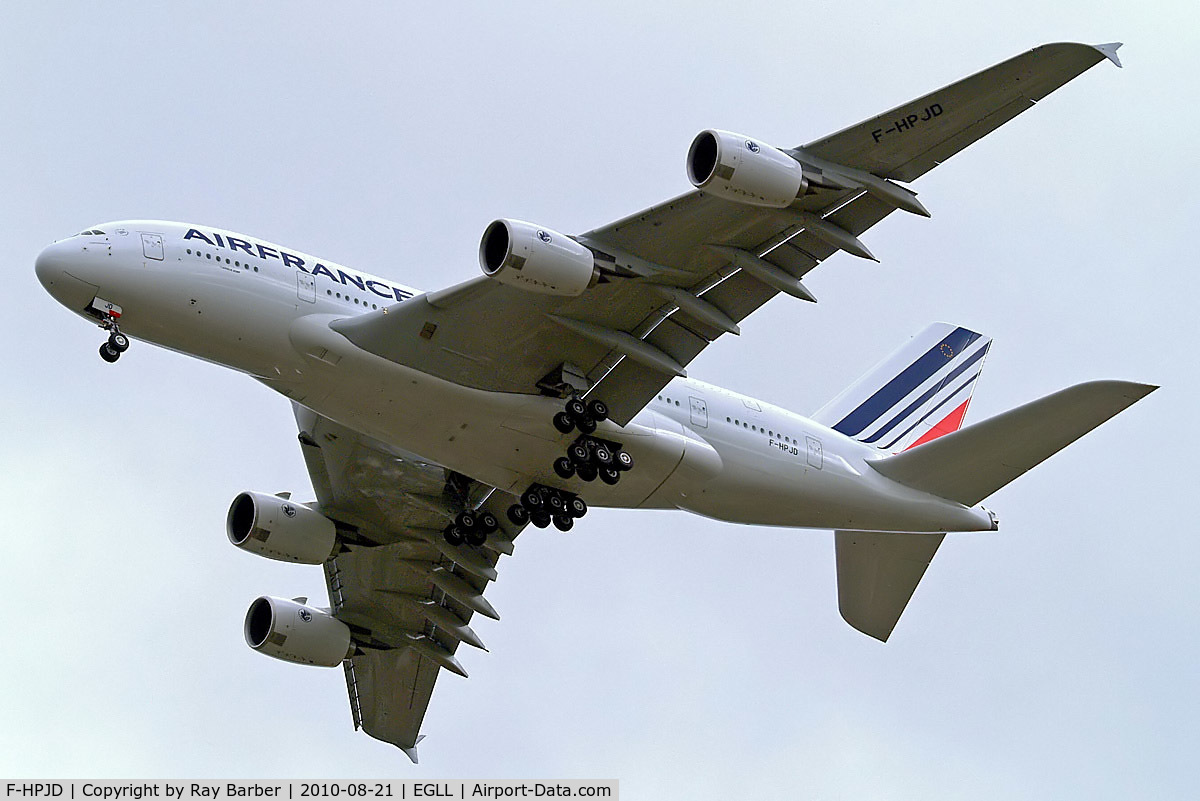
(265, 311)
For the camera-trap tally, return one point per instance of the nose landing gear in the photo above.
(117, 342)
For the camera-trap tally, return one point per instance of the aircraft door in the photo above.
(152, 246)
(816, 454)
(699, 411)
(306, 287)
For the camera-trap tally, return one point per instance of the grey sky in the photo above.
(686, 657)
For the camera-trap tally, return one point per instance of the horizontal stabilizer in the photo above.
(877, 572)
(972, 463)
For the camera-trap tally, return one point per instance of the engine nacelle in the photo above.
(536, 259)
(738, 168)
(278, 528)
(296, 632)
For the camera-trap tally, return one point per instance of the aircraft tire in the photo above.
(577, 507)
(564, 467)
(518, 515)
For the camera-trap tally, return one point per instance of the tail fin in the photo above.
(971, 464)
(917, 394)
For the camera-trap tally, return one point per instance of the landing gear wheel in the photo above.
(532, 500)
(118, 342)
(109, 353)
(540, 519)
(579, 454)
(576, 507)
(587, 425)
(453, 535)
(488, 522)
(602, 454)
(563, 523)
(623, 461)
(466, 521)
(476, 537)
(518, 515)
(557, 504)
(564, 422)
(609, 476)
(577, 409)
(564, 467)
(587, 472)
(598, 410)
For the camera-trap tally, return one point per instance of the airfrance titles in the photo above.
(313, 267)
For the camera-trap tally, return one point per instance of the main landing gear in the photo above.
(542, 505)
(117, 342)
(589, 457)
(470, 527)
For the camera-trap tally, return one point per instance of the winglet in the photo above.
(1109, 51)
(411, 751)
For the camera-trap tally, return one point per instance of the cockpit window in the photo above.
(93, 232)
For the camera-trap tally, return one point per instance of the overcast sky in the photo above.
(685, 657)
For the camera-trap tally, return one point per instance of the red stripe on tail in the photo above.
(950, 423)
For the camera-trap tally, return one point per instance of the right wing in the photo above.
(407, 595)
(677, 276)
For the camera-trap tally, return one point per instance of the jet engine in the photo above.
(277, 528)
(536, 259)
(295, 632)
(741, 169)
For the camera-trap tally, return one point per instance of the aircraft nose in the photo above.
(52, 267)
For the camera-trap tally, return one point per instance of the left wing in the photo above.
(677, 276)
(407, 595)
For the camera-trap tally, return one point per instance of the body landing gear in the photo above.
(588, 457)
(542, 505)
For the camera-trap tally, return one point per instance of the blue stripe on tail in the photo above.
(935, 389)
(902, 385)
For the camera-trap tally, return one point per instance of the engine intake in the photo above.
(536, 259)
(738, 168)
(296, 632)
(279, 529)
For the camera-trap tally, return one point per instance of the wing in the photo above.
(407, 595)
(681, 274)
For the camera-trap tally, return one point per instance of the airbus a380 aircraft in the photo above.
(436, 426)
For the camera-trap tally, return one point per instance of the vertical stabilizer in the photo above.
(917, 394)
